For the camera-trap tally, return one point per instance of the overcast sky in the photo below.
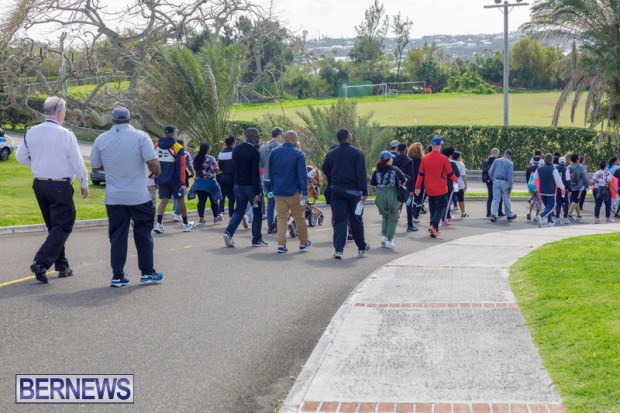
(338, 18)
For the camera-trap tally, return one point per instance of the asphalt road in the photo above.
(227, 331)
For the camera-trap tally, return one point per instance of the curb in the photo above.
(93, 223)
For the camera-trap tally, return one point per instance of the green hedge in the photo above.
(475, 142)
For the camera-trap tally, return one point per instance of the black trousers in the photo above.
(343, 211)
(119, 217)
(490, 199)
(202, 201)
(227, 185)
(437, 206)
(55, 200)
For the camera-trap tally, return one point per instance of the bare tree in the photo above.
(111, 43)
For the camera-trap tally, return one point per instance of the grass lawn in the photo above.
(18, 204)
(569, 294)
(525, 109)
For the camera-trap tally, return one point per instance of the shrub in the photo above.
(475, 142)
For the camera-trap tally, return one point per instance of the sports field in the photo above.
(525, 109)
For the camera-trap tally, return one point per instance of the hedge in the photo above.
(475, 142)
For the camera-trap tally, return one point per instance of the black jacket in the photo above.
(405, 164)
(345, 169)
(246, 159)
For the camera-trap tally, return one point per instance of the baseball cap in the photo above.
(436, 141)
(121, 113)
(170, 129)
(394, 144)
(385, 156)
(562, 160)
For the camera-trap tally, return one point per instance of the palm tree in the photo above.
(194, 91)
(593, 26)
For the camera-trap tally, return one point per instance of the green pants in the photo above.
(388, 206)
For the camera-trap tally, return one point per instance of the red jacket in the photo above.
(435, 170)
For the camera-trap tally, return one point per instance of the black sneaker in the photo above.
(411, 228)
(423, 211)
(493, 218)
(272, 229)
(488, 215)
(67, 272)
(501, 214)
(350, 237)
(39, 271)
(512, 218)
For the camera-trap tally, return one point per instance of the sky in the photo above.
(338, 18)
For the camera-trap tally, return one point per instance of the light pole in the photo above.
(505, 8)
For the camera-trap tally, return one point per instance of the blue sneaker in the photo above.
(155, 278)
(119, 282)
(305, 247)
(282, 249)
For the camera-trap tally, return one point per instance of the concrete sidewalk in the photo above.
(436, 331)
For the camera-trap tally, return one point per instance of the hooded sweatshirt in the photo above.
(171, 156)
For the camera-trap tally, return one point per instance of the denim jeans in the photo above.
(243, 195)
(271, 203)
(500, 192)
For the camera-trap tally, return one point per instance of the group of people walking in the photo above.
(243, 174)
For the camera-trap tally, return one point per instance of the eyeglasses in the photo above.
(56, 105)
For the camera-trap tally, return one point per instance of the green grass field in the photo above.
(569, 294)
(19, 205)
(532, 109)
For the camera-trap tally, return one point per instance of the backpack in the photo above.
(486, 167)
(531, 185)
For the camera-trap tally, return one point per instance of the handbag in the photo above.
(602, 193)
(402, 193)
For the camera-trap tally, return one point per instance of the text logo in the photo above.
(74, 388)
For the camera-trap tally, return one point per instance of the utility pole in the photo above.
(505, 8)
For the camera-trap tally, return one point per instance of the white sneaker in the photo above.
(189, 226)
(566, 222)
(177, 218)
(383, 239)
(389, 245)
(415, 221)
(551, 224)
(158, 228)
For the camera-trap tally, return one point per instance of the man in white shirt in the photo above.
(122, 152)
(54, 157)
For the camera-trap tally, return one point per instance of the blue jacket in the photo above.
(287, 170)
(171, 157)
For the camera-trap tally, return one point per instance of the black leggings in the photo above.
(202, 200)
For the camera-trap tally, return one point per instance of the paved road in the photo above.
(227, 331)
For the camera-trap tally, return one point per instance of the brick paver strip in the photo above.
(538, 408)
(310, 406)
(329, 407)
(443, 408)
(501, 408)
(404, 407)
(481, 408)
(385, 407)
(484, 306)
(461, 408)
(424, 408)
(366, 407)
(519, 408)
(348, 407)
